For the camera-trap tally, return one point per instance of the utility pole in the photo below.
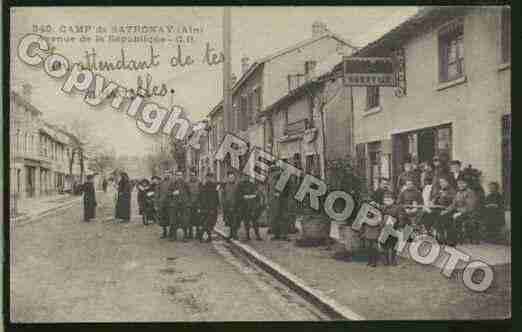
(227, 72)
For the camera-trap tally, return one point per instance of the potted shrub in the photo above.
(341, 175)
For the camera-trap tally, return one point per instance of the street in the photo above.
(66, 270)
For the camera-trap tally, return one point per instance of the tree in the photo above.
(102, 161)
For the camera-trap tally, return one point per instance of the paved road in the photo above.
(65, 270)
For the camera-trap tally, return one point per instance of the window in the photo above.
(372, 97)
(506, 35)
(451, 52)
(309, 66)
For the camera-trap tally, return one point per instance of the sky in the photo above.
(256, 32)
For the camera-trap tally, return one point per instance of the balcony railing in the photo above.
(297, 127)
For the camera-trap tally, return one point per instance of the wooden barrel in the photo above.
(315, 227)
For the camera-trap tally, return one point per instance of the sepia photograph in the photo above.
(271, 163)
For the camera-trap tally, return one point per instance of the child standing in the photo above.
(371, 234)
(395, 215)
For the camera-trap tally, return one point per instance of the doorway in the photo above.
(426, 145)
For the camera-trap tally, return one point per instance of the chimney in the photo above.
(244, 64)
(233, 80)
(318, 29)
(26, 92)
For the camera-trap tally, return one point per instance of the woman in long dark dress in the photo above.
(124, 198)
(89, 199)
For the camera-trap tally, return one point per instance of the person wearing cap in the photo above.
(455, 171)
(408, 174)
(162, 203)
(440, 169)
(230, 196)
(396, 216)
(193, 206)
(463, 209)
(209, 203)
(179, 197)
(89, 199)
(249, 202)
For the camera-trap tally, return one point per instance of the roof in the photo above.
(277, 54)
(71, 136)
(426, 16)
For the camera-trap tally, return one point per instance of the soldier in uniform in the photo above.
(209, 203)
(278, 206)
(230, 196)
(162, 203)
(463, 211)
(193, 205)
(179, 198)
(249, 203)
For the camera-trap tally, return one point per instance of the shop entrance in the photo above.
(426, 145)
(420, 146)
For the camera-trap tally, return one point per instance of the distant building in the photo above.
(40, 152)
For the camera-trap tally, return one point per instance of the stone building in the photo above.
(39, 151)
(457, 97)
(266, 81)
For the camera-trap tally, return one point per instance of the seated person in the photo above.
(494, 212)
(464, 213)
(431, 216)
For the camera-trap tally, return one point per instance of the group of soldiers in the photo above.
(192, 205)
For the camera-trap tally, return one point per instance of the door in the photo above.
(426, 145)
(400, 152)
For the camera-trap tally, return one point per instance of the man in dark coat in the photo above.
(89, 199)
(249, 203)
(278, 203)
(123, 204)
(162, 204)
(455, 171)
(179, 197)
(208, 203)
(230, 196)
(193, 205)
(463, 211)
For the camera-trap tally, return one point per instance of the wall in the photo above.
(275, 83)
(474, 108)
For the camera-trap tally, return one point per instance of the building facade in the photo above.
(457, 97)
(264, 84)
(40, 153)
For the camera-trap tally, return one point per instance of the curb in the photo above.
(48, 211)
(325, 303)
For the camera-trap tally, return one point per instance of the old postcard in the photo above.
(308, 163)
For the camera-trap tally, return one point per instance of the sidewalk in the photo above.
(32, 207)
(408, 291)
